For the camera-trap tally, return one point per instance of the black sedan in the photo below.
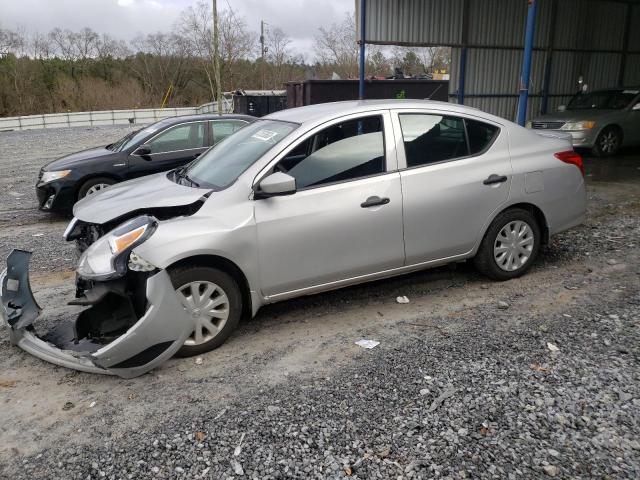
(164, 145)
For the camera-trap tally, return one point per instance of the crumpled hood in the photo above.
(153, 191)
(68, 161)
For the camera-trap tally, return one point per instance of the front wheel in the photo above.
(608, 142)
(213, 302)
(93, 186)
(510, 245)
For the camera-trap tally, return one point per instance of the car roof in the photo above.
(321, 112)
(205, 116)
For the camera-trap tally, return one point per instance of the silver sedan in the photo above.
(603, 120)
(299, 202)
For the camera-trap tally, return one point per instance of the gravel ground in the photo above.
(532, 378)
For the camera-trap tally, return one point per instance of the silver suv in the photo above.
(299, 202)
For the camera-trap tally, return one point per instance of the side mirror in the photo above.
(276, 184)
(562, 108)
(142, 150)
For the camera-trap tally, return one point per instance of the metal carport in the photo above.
(598, 40)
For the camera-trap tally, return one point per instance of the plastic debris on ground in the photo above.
(367, 343)
(402, 299)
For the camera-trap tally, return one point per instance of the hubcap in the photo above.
(96, 188)
(608, 142)
(208, 306)
(513, 245)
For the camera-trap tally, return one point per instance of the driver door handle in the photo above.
(493, 178)
(374, 201)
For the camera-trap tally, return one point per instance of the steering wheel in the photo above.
(280, 168)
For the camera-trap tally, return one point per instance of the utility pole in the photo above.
(263, 50)
(216, 58)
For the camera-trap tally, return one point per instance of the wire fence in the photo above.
(106, 117)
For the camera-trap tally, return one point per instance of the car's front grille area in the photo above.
(547, 125)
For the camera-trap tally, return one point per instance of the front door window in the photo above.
(181, 137)
(344, 151)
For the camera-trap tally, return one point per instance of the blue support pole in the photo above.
(526, 63)
(363, 17)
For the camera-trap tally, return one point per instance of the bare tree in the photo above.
(10, 42)
(109, 47)
(278, 54)
(160, 62)
(195, 27)
(41, 46)
(336, 46)
(237, 43)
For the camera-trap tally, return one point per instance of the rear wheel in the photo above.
(608, 142)
(94, 185)
(510, 245)
(213, 301)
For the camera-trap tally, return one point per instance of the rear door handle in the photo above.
(374, 201)
(493, 178)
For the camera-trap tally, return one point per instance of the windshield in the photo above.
(133, 138)
(221, 165)
(603, 100)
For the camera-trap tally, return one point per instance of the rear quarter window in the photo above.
(481, 135)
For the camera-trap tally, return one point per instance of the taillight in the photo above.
(571, 157)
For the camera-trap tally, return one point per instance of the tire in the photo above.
(608, 142)
(94, 184)
(184, 280)
(493, 263)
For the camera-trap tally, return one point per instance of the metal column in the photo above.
(625, 45)
(549, 60)
(462, 70)
(526, 62)
(363, 19)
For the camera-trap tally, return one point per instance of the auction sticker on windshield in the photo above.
(264, 135)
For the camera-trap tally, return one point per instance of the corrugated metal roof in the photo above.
(434, 22)
(634, 34)
(588, 40)
(632, 71)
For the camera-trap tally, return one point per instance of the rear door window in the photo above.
(432, 138)
(221, 129)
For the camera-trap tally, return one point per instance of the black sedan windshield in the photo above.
(220, 166)
(132, 139)
(603, 100)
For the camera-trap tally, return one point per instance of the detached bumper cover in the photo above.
(151, 340)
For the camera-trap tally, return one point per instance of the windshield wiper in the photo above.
(181, 173)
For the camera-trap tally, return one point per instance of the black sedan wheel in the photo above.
(94, 185)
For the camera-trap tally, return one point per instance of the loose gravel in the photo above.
(464, 383)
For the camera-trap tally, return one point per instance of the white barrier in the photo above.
(106, 117)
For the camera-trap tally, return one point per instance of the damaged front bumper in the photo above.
(146, 343)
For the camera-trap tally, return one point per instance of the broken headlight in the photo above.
(107, 257)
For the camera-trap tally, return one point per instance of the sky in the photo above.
(124, 19)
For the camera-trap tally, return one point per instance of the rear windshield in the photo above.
(603, 100)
